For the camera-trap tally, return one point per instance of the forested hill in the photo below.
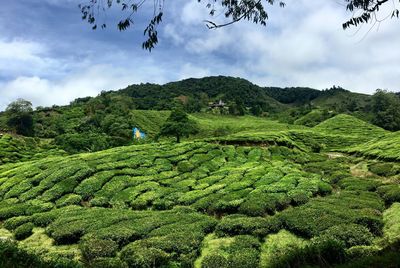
(104, 121)
(196, 93)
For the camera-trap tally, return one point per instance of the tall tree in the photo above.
(20, 117)
(386, 109)
(178, 125)
(364, 11)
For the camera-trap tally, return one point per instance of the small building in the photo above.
(217, 104)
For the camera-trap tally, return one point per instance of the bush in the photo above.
(247, 258)
(240, 225)
(137, 256)
(382, 169)
(109, 263)
(390, 193)
(93, 248)
(23, 231)
(13, 223)
(350, 234)
(185, 166)
(215, 260)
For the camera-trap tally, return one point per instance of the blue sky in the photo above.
(49, 56)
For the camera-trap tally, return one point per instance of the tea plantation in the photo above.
(284, 197)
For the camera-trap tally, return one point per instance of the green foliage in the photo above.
(350, 234)
(240, 225)
(319, 214)
(350, 126)
(390, 193)
(17, 149)
(384, 148)
(20, 117)
(386, 108)
(93, 248)
(178, 125)
(313, 118)
(383, 169)
(23, 231)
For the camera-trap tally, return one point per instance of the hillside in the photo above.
(106, 121)
(16, 148)
(387, 147)
(190, 203)
(348, 125)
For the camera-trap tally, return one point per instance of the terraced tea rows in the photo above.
(199, 203)
(208, 177)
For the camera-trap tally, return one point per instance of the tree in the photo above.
(178, 125)
(20, 117)
(386, 109)
(364, 11)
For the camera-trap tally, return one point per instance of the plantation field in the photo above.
(262, 194)
(16, 148)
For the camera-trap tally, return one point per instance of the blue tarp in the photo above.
(137, 133)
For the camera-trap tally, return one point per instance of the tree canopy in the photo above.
(363, 11)
(20, 117)
(178, 125)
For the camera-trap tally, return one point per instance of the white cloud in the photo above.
(45, 92)
(302, 45)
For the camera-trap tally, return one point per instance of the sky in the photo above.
(48, 55)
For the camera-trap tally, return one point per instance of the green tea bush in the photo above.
(363, 184)
(137, 256)
(350, 234)
(299, 197)
(215, 260)
(13, 223)
(240, 225)
(93, 248)
(69, 199)
(382, 169)
(23, 231)
(390, 193)
(319, 214)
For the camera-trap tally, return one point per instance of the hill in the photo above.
(190, 203)
(343, 124)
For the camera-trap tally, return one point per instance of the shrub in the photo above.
(390, 193)
(13, 223)
(185, 166)
(23, 231)
(215, 260)
(240, 225)
(382, 169)
(93, 248)
(350, 234)
(108, 263)
(247, 258)
(69, 199)
(373, 222)
(299, 197)
(137, 256)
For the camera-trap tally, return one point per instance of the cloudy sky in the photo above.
(48, 55)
